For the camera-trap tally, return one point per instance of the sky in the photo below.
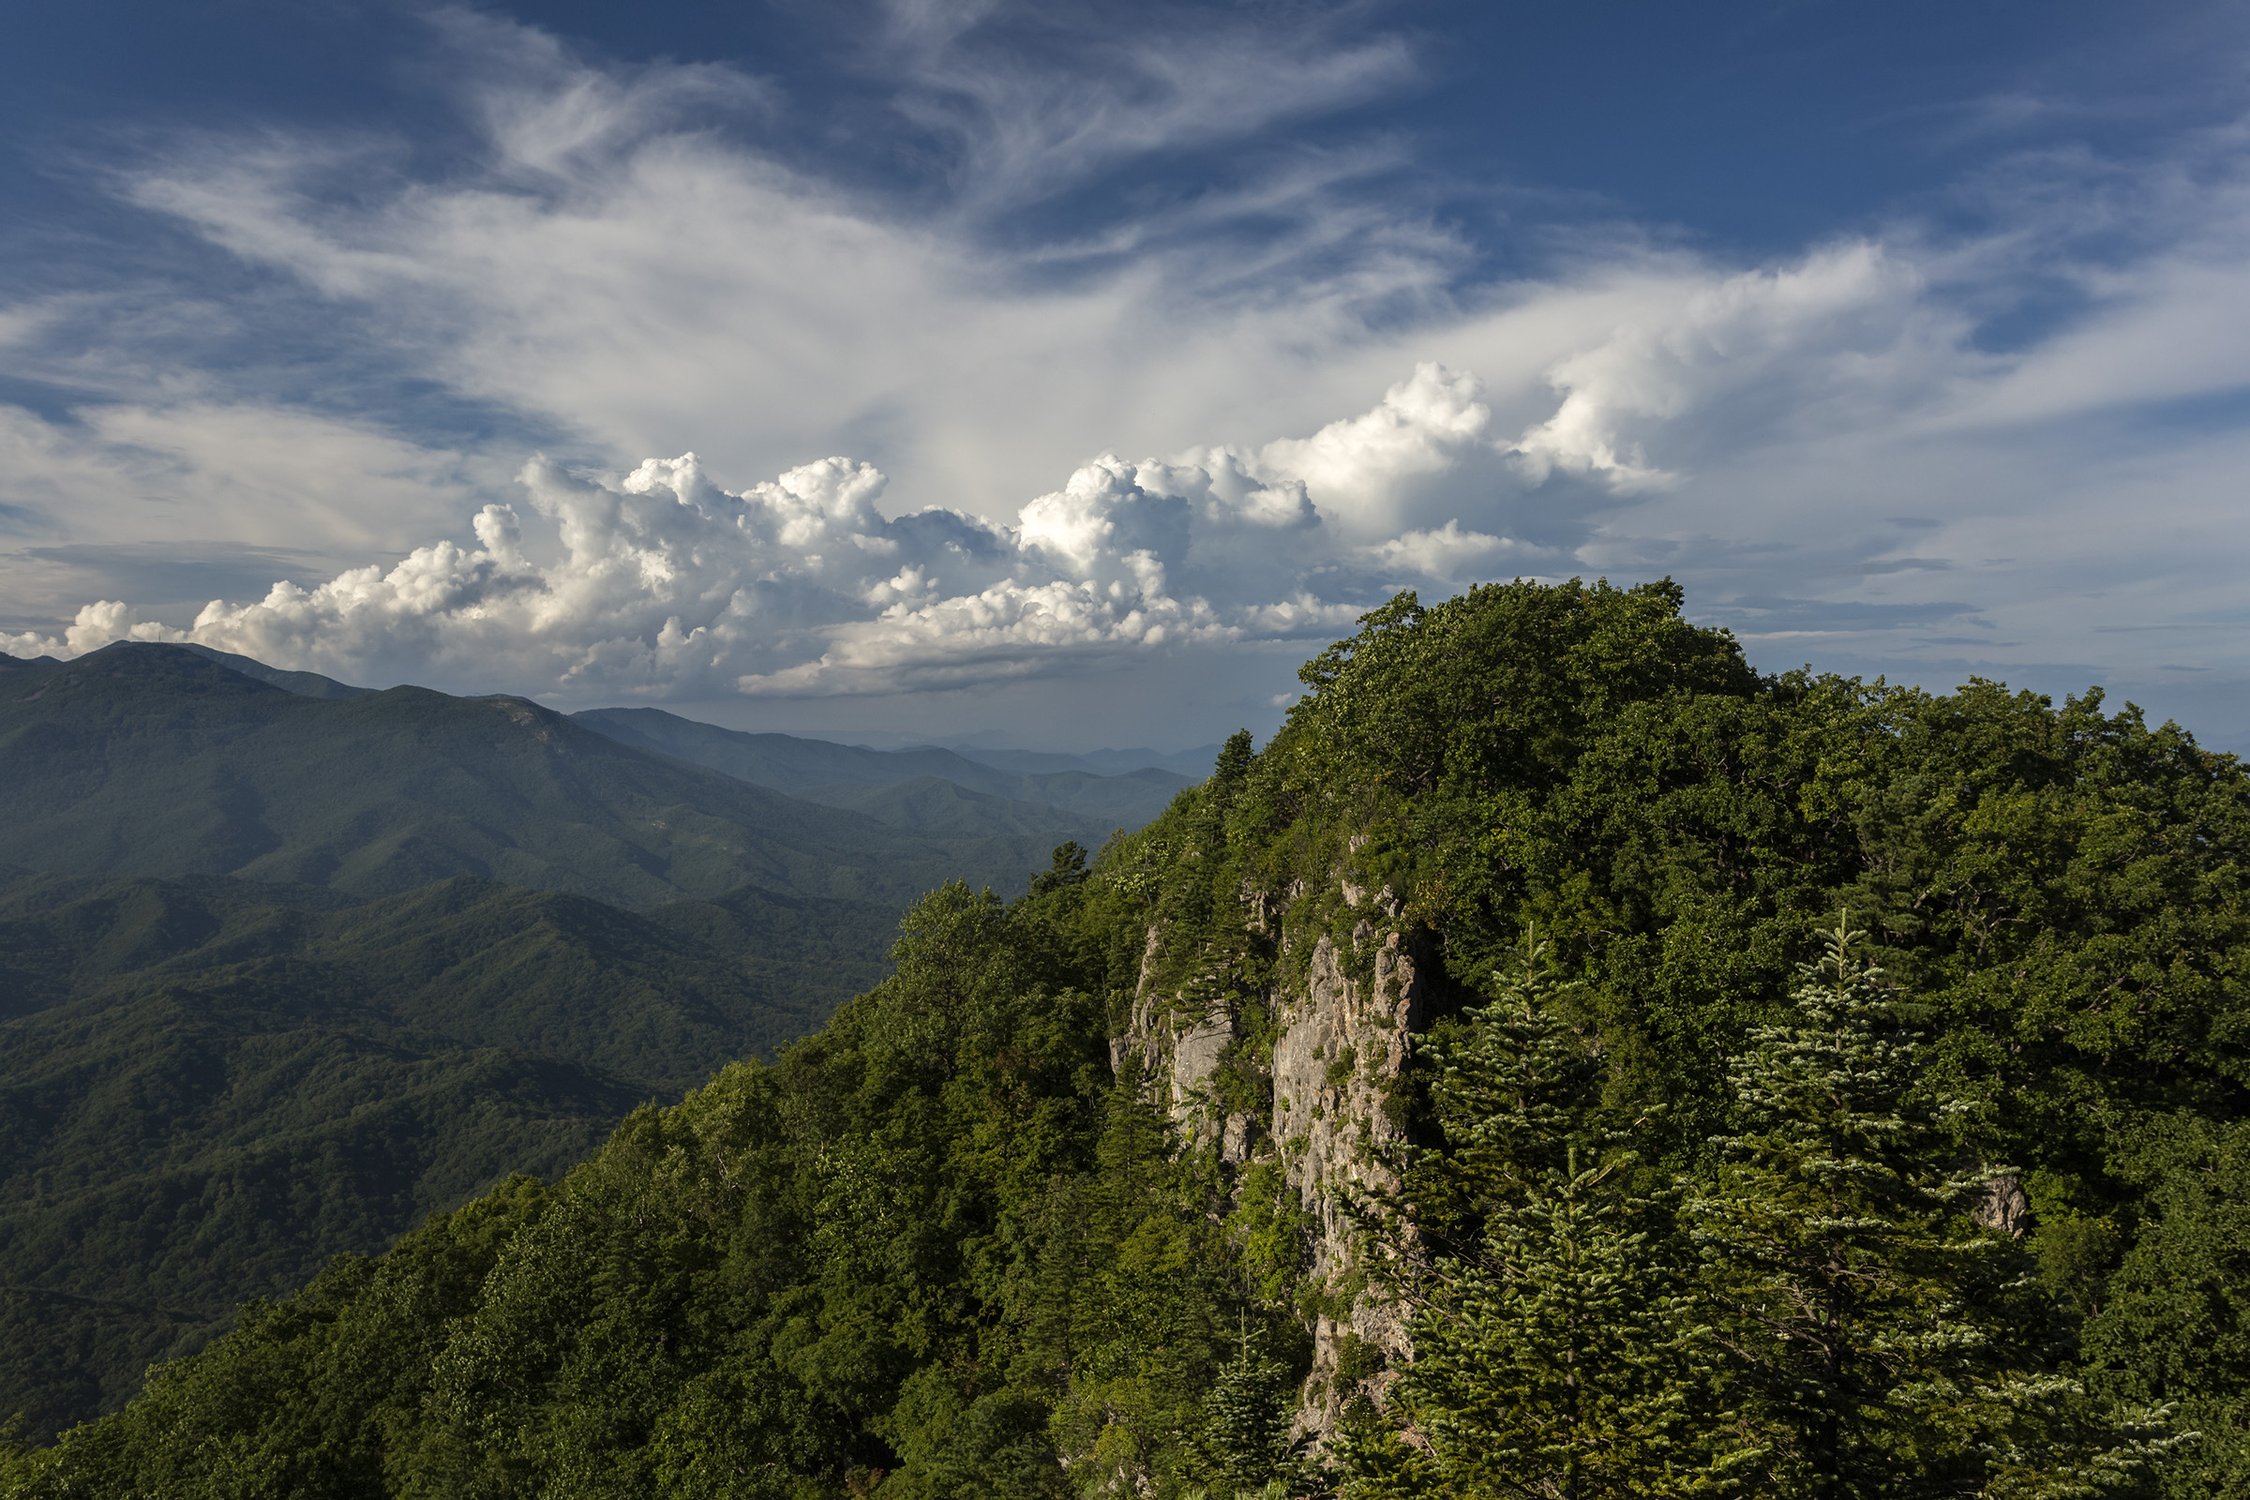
(1065, 374)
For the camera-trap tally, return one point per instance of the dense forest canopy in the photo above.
(209, 1087)
(1676, 1194)
(286, 966)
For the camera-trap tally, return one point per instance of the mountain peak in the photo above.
(303, 684)
(161, 661)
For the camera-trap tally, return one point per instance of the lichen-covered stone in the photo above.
(1339, 1046)
(1341, 1049)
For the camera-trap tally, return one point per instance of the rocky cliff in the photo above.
(1321, 1041)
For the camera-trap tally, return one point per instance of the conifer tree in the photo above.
(1555, 1352)
(1879, 1342)
(1247, 1412)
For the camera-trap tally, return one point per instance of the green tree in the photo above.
(1556, 1353)
(1233, 764)
(1881, 1343)
(1247, 1418)
(1066, 869)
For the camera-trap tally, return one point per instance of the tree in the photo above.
(1555, 1352)
(1880, 1343)
(1066, 869)
(1246, 1418)
(1233, 764)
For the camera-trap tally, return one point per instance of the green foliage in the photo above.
(2172, 1324)
(1668, 1228)
(1247, 1420)
(207, 1089)
(1878, 1340)
(1557, 1349)
(918, 1252)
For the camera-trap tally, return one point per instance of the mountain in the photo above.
(991, 748)
(286, 965)
(1563, 1061)
(1189, 763)
(1082, 804)
(305, 684)
(158, 760)
(209, 1087)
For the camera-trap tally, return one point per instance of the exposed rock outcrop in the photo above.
(2003, 1206)
(1340, 1023)
(1177, 1039)
(1342, 1047)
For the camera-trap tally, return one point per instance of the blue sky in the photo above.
(1073, 371)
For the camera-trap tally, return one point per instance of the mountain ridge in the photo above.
(824, 771)
(147, 759)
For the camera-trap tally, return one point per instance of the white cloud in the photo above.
(618, 263)
(1843, 324)
(663, 583)
(608, 259)
(1042, 100)
(1451, 555)
(1422, 428)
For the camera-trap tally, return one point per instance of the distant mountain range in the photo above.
(873, 781)
(164, 760)
(956, 760)
(1193, 765)
(286, 964)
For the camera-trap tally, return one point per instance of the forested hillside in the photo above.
(159, 760)
(1563, 1062)
(326, 1020)
(207, 1088)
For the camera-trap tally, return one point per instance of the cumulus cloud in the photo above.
(1844, 319)
(661, 582)
(1452, 555)
(1423, 428)
(621, 259)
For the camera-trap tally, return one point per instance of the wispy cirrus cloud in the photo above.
(1006, 293)
(1035, 101)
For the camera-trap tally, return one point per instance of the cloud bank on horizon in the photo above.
(1991, 424)
(662, 583)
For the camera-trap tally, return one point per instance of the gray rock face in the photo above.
(1183, 1052)
(1342, 1046)
(1195, 1057)
(2002, 1205)
(1236, 1138)
(1342, 1025)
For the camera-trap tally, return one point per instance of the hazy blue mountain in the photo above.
(1190, 765)
(839, 775)
(934, 805)
(158, 760)
(990, 749)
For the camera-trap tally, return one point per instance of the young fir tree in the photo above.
(1246, 1419)
(1880, 1343)
(1555, 1352)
